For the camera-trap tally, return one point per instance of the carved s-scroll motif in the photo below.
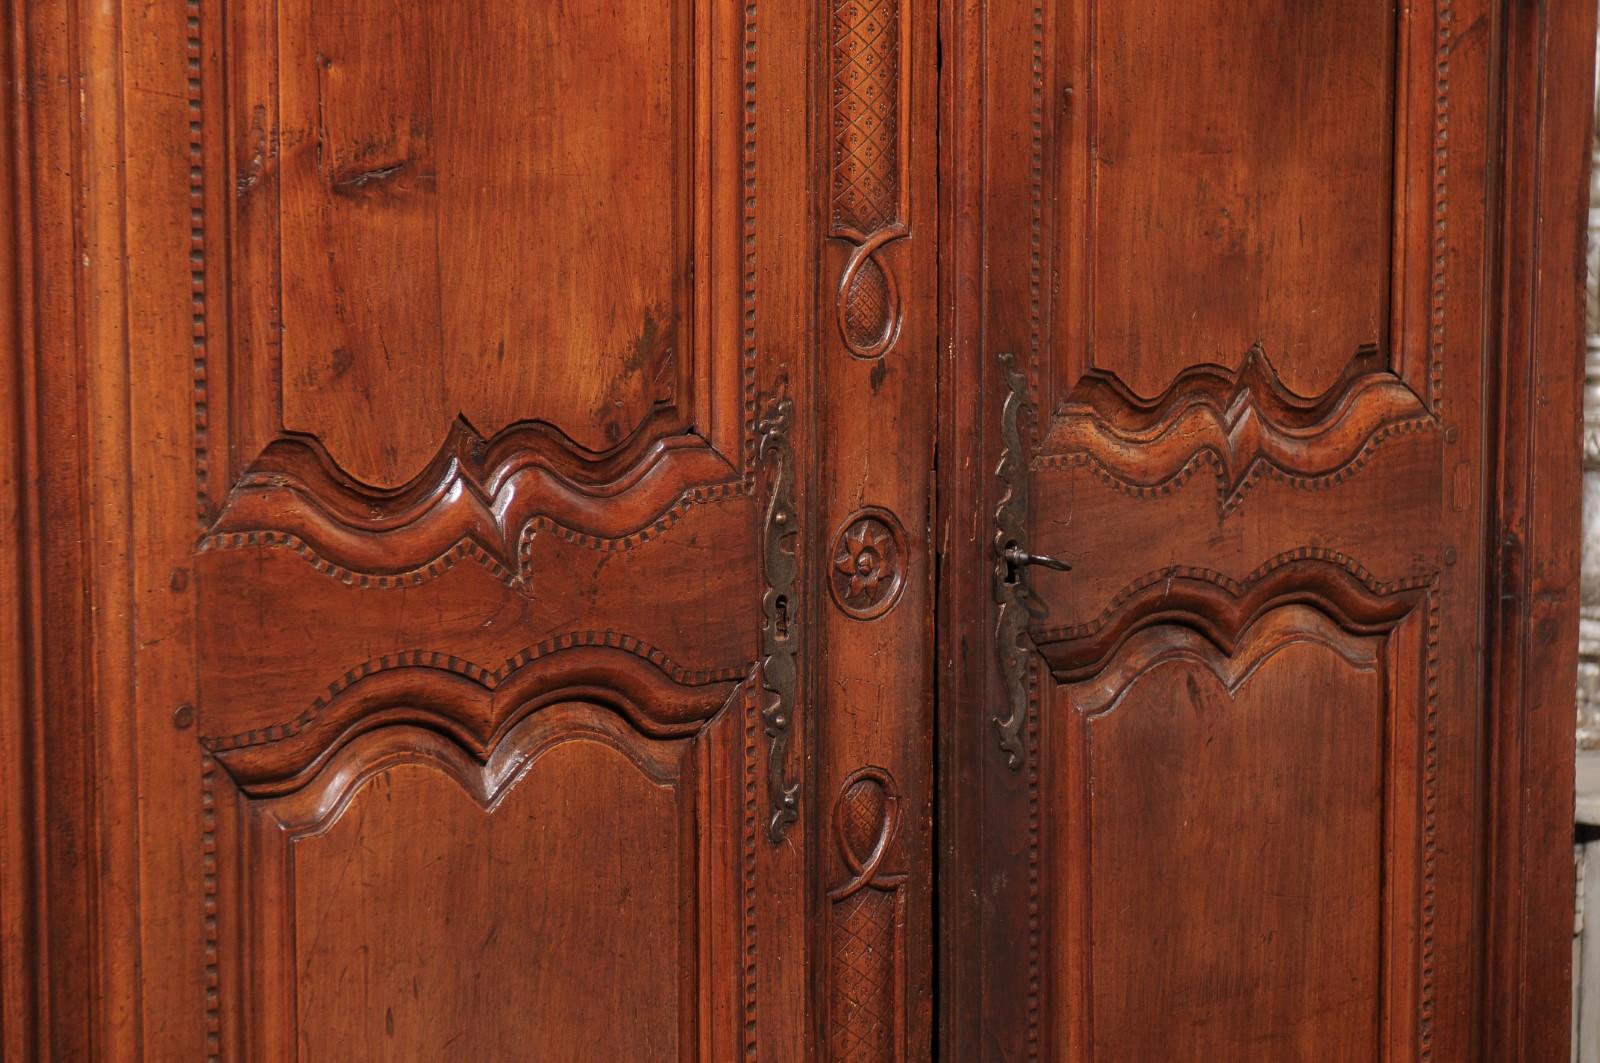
(479, 500)
(779, 634)
(865, 953)
(474, 704)
(1244, 425)
(867, 191)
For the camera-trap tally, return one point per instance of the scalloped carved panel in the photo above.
(485, 209)
(492, 214)
(369, 912)
(469, 380)
(1254, 206)
(1240, 841)
(477, 583)
(1244, 495)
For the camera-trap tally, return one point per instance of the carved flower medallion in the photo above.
(868, 564)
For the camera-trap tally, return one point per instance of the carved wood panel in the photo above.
(866, 925)
(1294, 771)
(869, 164)
(1233, 427)
(487, 474)
(1253, 206)
(395, 229)
(371, 901)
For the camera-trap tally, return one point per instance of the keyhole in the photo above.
(1009, 552)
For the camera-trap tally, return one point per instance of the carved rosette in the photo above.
(867, 571)
(867, 167)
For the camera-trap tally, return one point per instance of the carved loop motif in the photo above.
(867, 571)
(866, 818)
(868, 169)
(866, 915)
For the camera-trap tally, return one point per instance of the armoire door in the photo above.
(470, 494)
(1266, 321)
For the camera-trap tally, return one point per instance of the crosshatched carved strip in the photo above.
(863, 947)
(866, 116)
(867, 308)
(865, 988)
(862, 815)
(866, 193)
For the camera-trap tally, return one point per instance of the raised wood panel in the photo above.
(283, 623)
(1240, 195)
(1234, 845)
(1245, 496)
(467, 376)
(412, 900)
(427, 150)
(1250, 278)
(502, 215)
(1283, 203)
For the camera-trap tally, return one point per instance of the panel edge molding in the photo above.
(478, 499)
(1223, 608)
(476, 705)
(1245, 425)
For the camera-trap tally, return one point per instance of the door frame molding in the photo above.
(1535, 540)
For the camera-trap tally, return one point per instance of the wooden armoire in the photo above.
(822, 530)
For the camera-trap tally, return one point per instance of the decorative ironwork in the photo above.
(779, 618)
(1010, 581)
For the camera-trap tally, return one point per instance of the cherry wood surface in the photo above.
(468, 500)
(504, 511)
(1265, 319)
